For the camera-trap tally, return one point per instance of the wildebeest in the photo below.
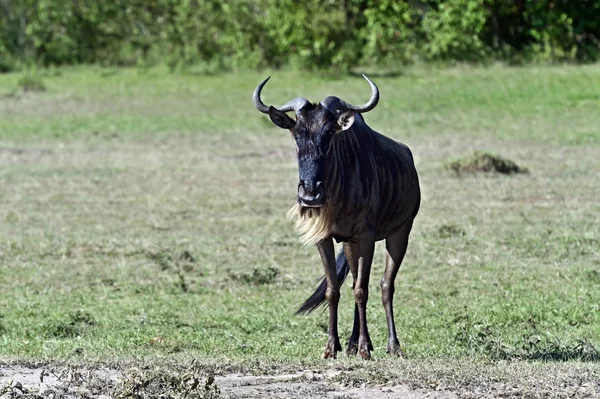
(355, 186)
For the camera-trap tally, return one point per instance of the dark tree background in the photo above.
(310, 34)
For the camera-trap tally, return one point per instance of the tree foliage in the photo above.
(310, 34)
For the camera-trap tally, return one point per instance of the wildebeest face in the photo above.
(313, 130)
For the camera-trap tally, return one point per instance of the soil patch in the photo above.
(103, 383)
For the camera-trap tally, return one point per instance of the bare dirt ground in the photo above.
(311, 385)
(65, 382)
(442, 380)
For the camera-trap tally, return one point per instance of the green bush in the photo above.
(454, 29)
(310, 34)
(392, 31)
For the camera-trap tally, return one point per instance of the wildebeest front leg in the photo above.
(361, 292)
(396, 248)
(332, 295)
(351, 250)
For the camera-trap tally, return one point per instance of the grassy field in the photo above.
(142, 219)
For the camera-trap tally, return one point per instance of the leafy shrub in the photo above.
(454, 30)
(392, 31)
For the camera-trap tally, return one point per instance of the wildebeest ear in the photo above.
(281, 119)
(346, 119)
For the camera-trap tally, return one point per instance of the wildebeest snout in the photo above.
(311, 194)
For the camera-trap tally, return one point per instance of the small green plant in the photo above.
(167, 259)
(180, 263)
(72, 325)
(257, 276)
(31, 81)
(3, 328)
(451, 230)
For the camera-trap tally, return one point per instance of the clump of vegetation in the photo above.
(31, 82)
(3, 329)
(167, 259)
(180, 263)
(485, 162)
(256, 276)
(195, 383)
(73, 325)
(592, 275)
(483, 339)
(451, 230)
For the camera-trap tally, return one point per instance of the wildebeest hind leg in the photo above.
(396, 248)
(332, 294)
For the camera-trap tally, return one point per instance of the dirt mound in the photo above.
(484, 162)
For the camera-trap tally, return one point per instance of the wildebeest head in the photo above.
(313, 129)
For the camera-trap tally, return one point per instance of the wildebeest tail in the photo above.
(318, 297)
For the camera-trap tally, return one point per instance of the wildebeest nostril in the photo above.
(301, 191)
(319, 190)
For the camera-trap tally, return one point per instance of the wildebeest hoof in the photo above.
(352, 348)
(332, 348)
(364, 348)
(394, 349)
(364, 353)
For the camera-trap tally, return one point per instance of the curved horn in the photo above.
(294, 105)
(372, 103)
(256, 97)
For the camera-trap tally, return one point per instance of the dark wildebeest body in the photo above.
(358, 187)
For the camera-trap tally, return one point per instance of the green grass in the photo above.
(551, 105)
(142, 216)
